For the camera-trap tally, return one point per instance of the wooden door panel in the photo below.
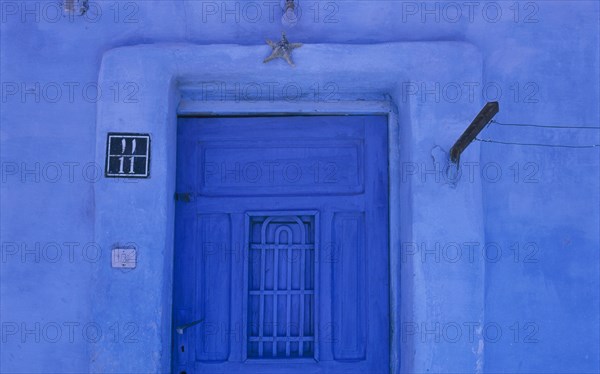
(281, 258)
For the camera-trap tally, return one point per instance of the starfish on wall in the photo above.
(282, 49)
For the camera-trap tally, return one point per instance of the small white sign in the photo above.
(124, 258)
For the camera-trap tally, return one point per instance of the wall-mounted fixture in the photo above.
(483, 118)
(75, 7)
(290, 13)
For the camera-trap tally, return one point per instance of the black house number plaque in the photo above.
(127, 155)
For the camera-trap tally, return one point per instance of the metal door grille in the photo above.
(281, 290)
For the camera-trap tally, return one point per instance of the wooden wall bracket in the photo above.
(483, 118)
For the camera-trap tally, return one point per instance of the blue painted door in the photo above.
(281, 249)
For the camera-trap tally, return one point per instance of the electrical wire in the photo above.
(538, 144)
(546, 126)
(541, 144)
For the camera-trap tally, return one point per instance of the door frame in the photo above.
(395, 79)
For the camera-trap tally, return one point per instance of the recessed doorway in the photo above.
(281, 245)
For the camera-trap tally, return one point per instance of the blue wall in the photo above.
(543, 56)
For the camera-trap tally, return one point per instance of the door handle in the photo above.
(182, 328)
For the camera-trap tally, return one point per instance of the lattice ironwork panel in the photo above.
(281, 286)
